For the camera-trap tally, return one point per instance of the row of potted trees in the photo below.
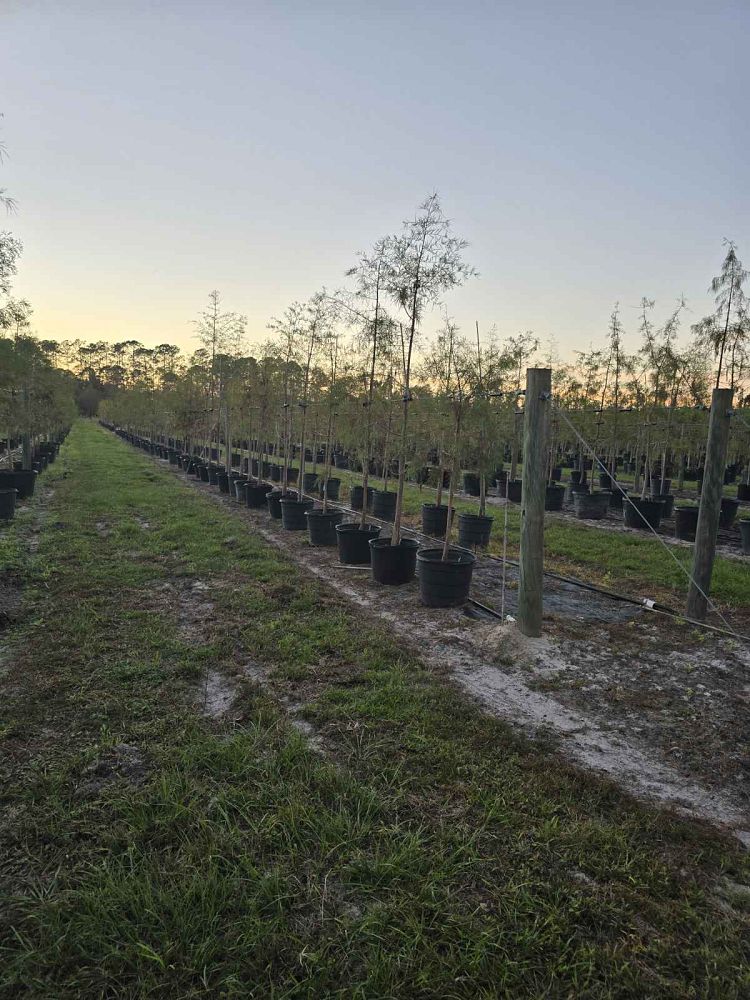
(445, 571)
(18, 483)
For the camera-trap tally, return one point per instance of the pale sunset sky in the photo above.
(588, 151)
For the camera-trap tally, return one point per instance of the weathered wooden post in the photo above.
(535, 424)
(710, 503)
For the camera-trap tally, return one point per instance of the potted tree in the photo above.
(423, 262)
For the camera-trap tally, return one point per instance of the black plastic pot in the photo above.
(354, 542)
(474, 530)
(22, 480)
(293, 513)
(591, 506)
(668, 501)
(223, 480)
(642, 513)
(321, 526)
(444, 584)
(393, 564)
(471, 484)
(435, 519)
(575, 476)
(384, 505)
(292, 475)
(256, 493)
(239, 489)
(745, 536)
(605, 481)
(273, 502)
(309, 482)
(554, 496)
(728, 512)
(213, 475)
(203, 473)
(7, 503)
(616, 499)
(331, 488)
(355, 498)
(743, 491)
(685, 523)
(515, 490)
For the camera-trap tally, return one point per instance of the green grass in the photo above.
(428, 853)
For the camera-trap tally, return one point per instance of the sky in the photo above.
(590, 152)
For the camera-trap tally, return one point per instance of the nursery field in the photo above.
(223, 778)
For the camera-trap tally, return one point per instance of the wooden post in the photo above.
(535, 423)
(710, 503)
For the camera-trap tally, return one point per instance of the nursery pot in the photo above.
(293, 513)
(554, 496)
(471, 484)
(321, 526)
(292, 475)
(605, 481)
(473, 530)
(203, 473)
(616, 498)
(444, 584)
(393, 564)
(7, 503)
(275, 473)
(743, 491)
(354, 542)
(256, 493)
(575, 476)
(273, 502)
(685, 523)
(728, 512)
(21, 480)
(745, 536)
(591, 506)
(435, 519)
(330, 488)
(515, 490)
(576, 488)
(309, 482)
(384, 505)
(668, 500)
(355, 498)
(239, 489)
(222, 478)
(642, 513)
(213, 475)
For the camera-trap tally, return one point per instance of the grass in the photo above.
(427, 853)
